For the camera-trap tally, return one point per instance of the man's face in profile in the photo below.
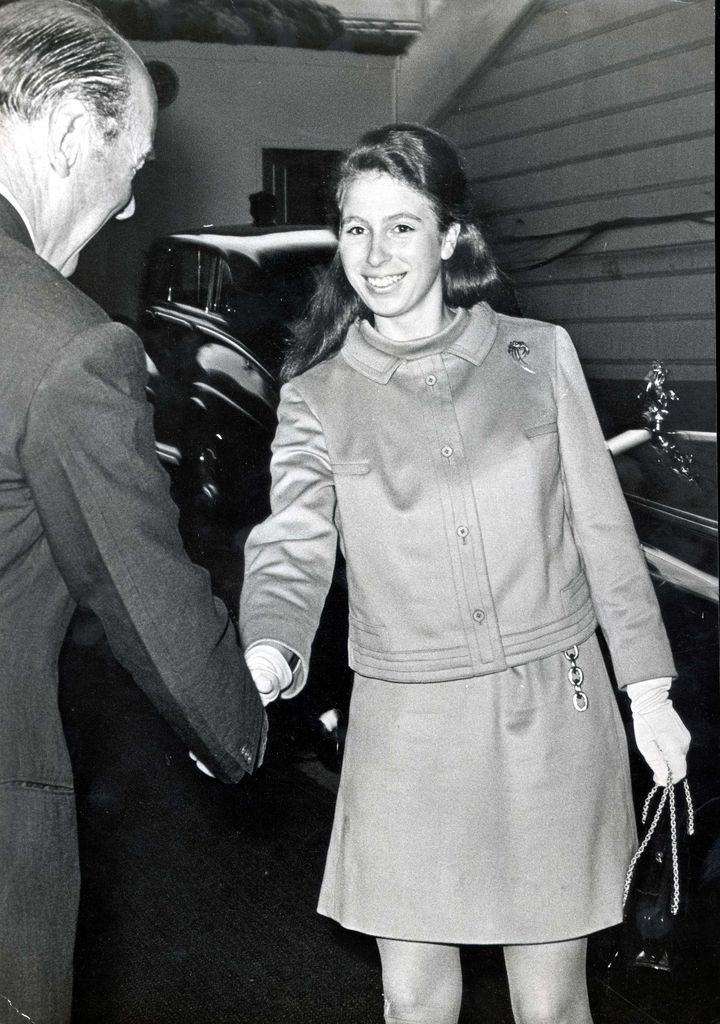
(105, 179)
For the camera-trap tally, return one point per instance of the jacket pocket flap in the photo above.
(365, 635)
(576, 592)
(350, 468)
(541, 428)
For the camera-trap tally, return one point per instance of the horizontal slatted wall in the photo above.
(599, 111)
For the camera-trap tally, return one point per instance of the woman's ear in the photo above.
(449, 241)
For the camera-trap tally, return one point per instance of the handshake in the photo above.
(271, 674)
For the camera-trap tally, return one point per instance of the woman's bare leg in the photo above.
(422, 982)
(548, 982)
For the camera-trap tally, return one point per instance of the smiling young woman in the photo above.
(392, 249)
(455, 454)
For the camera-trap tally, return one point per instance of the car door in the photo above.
(214, 400)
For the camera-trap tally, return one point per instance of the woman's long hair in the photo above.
(427, 162)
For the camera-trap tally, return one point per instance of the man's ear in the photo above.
(69, 135)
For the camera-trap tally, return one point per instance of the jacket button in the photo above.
(431, 380)
(446, 451)
(479, 615)
(462, 531)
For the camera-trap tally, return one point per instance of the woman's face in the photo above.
(392, 250)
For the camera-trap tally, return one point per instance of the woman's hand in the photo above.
(270, 671)
(661, 737)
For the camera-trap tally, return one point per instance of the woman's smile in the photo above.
(385, 283)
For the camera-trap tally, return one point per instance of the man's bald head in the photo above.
(77, 120)
(52, 49)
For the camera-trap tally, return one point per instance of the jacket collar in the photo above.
(12, 223)
(470, 336)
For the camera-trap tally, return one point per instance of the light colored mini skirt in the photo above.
(487, 810)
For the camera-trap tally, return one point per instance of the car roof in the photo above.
(257, 242)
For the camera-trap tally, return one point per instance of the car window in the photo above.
(192, 274)
(236, 285)
(158, 274)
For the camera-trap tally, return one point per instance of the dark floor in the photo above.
(198, 900)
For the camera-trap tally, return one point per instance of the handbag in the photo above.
(655, 892)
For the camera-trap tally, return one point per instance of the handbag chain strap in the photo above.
(668, 796)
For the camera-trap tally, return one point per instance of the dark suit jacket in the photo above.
(86, 517)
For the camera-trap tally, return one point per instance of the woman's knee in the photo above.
(412, 1012)
(422, 982)
(540, 1010)
(548, 983)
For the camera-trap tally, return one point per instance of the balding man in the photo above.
(85, 513)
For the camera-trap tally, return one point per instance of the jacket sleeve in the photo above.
(289, 559)
(103, 500)
(620, 584)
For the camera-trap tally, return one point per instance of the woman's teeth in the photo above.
(382, 283)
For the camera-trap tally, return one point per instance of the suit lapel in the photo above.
(12, 224)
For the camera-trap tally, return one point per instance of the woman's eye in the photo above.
(402, 229)
(353, 229)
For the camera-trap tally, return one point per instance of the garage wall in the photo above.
(233, 101)
(602, 111)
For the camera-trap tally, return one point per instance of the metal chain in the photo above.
(576, 677)
(675, 903)
(648, 836)
(668, 796)
(690, 809)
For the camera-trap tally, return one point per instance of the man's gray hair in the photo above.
(50, 49)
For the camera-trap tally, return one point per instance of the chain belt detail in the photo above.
(576, 676)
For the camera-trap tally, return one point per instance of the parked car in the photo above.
(216, 310)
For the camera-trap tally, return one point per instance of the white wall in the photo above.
(233, 101)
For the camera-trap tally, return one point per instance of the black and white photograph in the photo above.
(358, 512)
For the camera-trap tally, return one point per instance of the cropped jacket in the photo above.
(466, 478)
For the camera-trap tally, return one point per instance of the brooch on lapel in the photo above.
(518, 350)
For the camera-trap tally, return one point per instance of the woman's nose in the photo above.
(377, 252)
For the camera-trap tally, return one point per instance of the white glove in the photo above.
(270, 671)
(661, 737)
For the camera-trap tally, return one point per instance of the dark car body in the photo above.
(216, 310)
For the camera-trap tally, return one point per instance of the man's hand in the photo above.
(661, 737)
(270, 671)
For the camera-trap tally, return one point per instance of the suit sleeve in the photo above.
(103, 500)
(289, 559)
(620, 585)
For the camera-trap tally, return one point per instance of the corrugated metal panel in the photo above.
(593, 129)
(625, 41)
(665, 75)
